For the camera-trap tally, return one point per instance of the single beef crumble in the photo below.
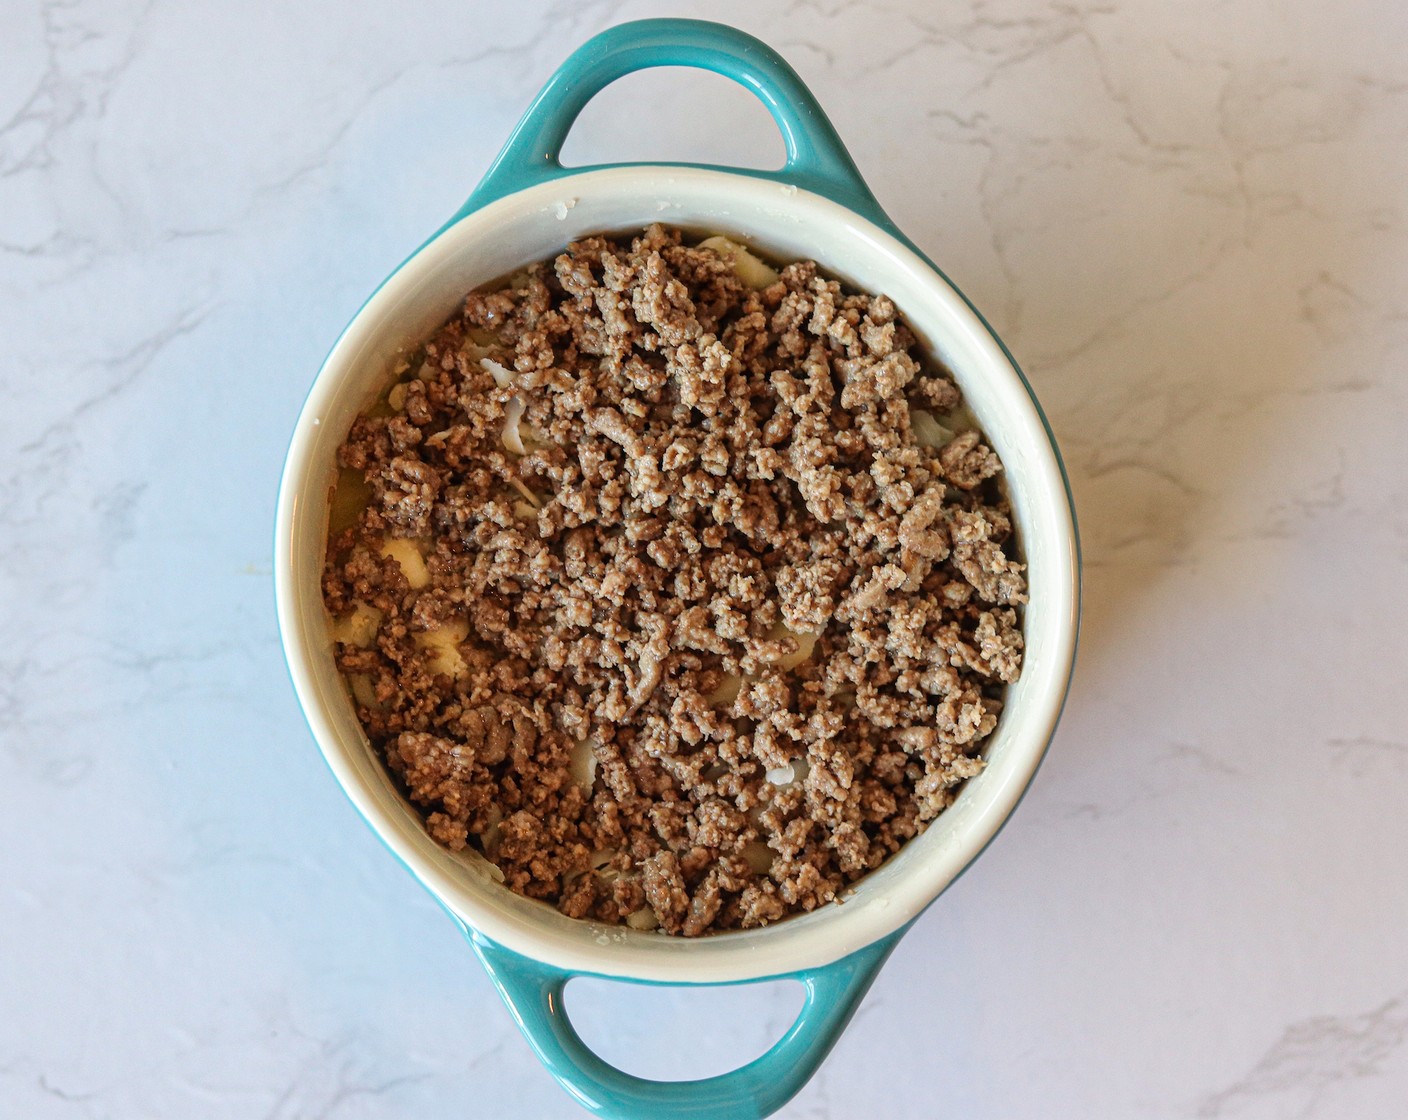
(658, 578)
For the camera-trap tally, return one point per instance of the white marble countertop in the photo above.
(1188, 221)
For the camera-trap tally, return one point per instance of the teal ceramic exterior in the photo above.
(816, 162)
(534, 995)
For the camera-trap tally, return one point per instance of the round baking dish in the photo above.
(526, 209)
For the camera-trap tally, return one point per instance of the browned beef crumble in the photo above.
(713, 478)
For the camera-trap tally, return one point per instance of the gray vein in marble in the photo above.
(1176, 769)
(1129, 463)
(1046, 31)
(40, 471)
(1111, 326)
(1313, 1055)
(821, 8)
(584, 17)
(343, 1089)
(23, 1068)
(315, 162)
(1210, 761)
(1121, 98)
(1307, 505)
(62, 1094)
(1370, 742)
(1360, 753)
(58, 102)
(50, 107)
(788, 47)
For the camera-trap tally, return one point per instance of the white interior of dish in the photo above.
(785, 223)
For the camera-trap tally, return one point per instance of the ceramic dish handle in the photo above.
(816, 159)
(533, 992)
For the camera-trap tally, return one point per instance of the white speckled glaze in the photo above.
(785, 223)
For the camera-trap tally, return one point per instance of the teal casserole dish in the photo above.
(528, 207)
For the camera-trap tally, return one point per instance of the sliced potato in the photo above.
(759, 856)
(511, 437)
(806, 645)
(350, 497)
(643, 919)
(928, 432)
(409, 559)
(363, 691)
(583, 767)
(478, 343)
(727, 692)
(493, 834)
(752, 270)
(503, 376)
(442, 644)
(781, 776)
(357, 628)
(529, 496)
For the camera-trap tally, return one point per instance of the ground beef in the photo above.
(652, 595)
